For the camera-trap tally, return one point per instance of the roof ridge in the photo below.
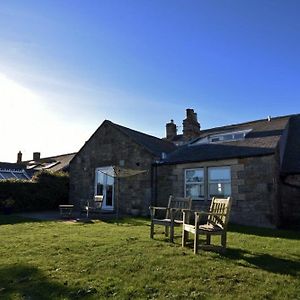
(248, 122)
(51, 156)
(140, 132)
(134, 135)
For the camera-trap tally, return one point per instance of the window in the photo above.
(219, 182)
(7, 175)
(216, 139)
(194, 183)
(227, 137)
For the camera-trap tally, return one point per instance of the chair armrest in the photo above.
(157, 207)
(198, 213)
(154, 208)
(186, 213)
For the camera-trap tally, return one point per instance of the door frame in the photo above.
(105, 169)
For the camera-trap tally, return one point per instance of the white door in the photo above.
(104, 186)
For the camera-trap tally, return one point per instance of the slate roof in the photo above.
(153, 144)
(13, 171)
(52, 163)
(11, 166)
(291, 159)
(262, 140)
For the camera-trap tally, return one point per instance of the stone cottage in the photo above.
(257, 163)
(113, 146)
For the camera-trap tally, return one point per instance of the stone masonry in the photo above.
(107, 147)
(254, 188)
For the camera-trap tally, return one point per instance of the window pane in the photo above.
(100, 177)
(7, 175)
(194, 175)
(110, 180)
(219, 189)
(194, 190)
(219, 182)
(227, 137)
(219, 174)
(20, 175)
(239, 136)
(215, 139)
(99, 190)
(109, 195)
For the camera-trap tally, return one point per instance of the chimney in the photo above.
(36, 156)
(191, 126)
(171, 130)
(19, 159)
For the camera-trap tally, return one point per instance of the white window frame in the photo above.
(199, 183)
(221, 137)
(206, 181)
(106, 171)
(221, 181)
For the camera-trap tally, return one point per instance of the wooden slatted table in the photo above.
(66, 210)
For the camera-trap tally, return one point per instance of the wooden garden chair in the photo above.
(93, 206)
(173, 215)
(217, 220)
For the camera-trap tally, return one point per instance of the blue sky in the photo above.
(140, 64)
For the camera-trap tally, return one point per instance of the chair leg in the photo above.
(152, 230)
(172, 234)
(196, 242)
(185, 237)
(223, 239)
(208, 236)
(166, 230)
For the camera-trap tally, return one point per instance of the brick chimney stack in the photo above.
(171, 130)
(191, 126)
(19, 158)
(36, 156)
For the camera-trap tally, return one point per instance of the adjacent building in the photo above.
(26, 169)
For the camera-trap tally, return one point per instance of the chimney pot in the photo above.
(36, 156)
(171, 130)
(19, 157)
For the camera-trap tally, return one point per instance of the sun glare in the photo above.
(29, 124)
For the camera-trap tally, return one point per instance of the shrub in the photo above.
(46, 190)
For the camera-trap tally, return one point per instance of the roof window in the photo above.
(223, 137)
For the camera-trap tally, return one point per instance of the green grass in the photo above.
(61, 260)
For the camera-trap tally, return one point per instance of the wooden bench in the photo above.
(173, 216)
(66, 210)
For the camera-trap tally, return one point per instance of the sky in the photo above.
(67, 65)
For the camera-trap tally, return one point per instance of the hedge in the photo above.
(45, 191)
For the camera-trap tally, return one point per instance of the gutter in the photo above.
(160, 163)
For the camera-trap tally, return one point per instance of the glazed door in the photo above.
(105, 186)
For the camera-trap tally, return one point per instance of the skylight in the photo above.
(223, 137)
(13, 174)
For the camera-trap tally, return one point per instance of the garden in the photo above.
(100, 260)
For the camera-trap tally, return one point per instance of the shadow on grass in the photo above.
(13, 219)
(264, 261)
(265, 232)
(28, 282)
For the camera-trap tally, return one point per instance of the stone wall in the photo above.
(290, 201)
(107, 147)
(253, 184)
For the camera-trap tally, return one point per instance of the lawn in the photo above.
(65, 260)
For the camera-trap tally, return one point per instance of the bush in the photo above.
(46, 190)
